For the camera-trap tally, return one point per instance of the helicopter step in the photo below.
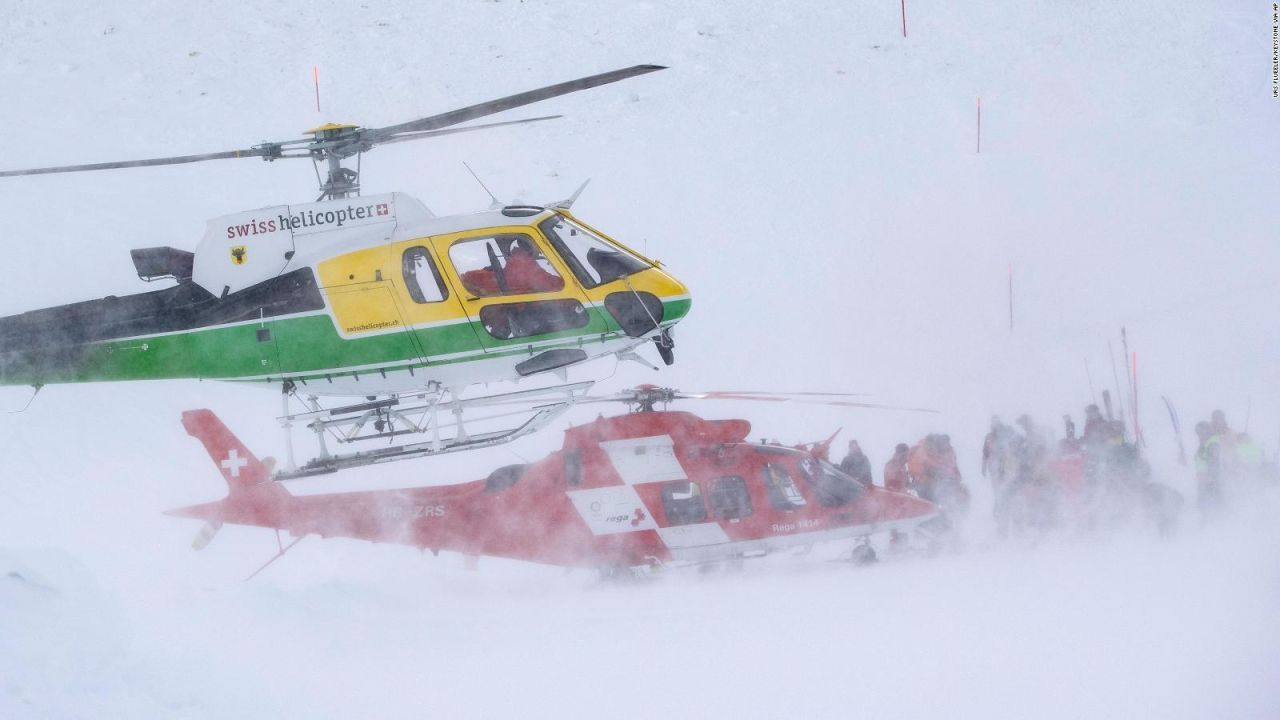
(438, 412)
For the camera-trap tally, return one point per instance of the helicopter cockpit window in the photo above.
(594, 261)
(503, 265)
(729, 498)
(830, 484)
(682, 501)
(422, 277)
(782, 490)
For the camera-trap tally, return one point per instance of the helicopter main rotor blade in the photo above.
(264, 151)
(450, 131)
(779, 398)
(454, 117)
(668, 395)
(871, 406)
(714, 394)
(355, 140)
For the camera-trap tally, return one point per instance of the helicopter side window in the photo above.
(729, 498)
(509, 264)
(422, 277)
(505, 321)
(593, 260)
(782, 490)
(682, 501)
(830, 484)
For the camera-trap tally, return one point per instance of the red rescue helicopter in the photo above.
(648, 488)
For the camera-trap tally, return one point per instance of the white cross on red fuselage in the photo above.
(233, 463)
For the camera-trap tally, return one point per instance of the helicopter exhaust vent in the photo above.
(160, 263)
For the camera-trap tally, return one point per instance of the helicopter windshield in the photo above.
(831, 485)
(594, 260)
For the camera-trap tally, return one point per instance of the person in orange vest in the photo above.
(896, 475)
(933, 466)
(898, 479)
(935, 475)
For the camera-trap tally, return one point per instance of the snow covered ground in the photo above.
(811, 175)
(1122, 629)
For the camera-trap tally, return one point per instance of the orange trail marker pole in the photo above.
(315, 73)
(979, 125)
(904, 18)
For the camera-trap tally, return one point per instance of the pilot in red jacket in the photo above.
(524, 275)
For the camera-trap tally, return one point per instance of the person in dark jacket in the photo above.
(856, 465)
(1095, 428)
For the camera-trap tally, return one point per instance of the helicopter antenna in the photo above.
(568, 203)
(496, 202)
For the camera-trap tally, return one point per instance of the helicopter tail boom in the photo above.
(242, 470)
(253, 498)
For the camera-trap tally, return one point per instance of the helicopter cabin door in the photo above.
(361, 289)
(518, 295)
(430, 304)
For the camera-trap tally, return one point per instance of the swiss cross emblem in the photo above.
(234, 462)
(384, 209)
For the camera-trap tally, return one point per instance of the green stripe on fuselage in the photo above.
(308, 345)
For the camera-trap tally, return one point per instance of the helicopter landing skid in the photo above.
(430, 413)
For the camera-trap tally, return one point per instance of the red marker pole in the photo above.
(315, 73)
(979, 125)
(904, 18)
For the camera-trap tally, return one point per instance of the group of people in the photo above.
(1087, 482)
(1084, 482)
(928, 469)
(1227, 463)
(1092, 481)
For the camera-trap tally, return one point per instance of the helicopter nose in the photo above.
(676, 299)
(678, 305)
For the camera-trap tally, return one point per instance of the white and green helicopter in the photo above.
(370, 297)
